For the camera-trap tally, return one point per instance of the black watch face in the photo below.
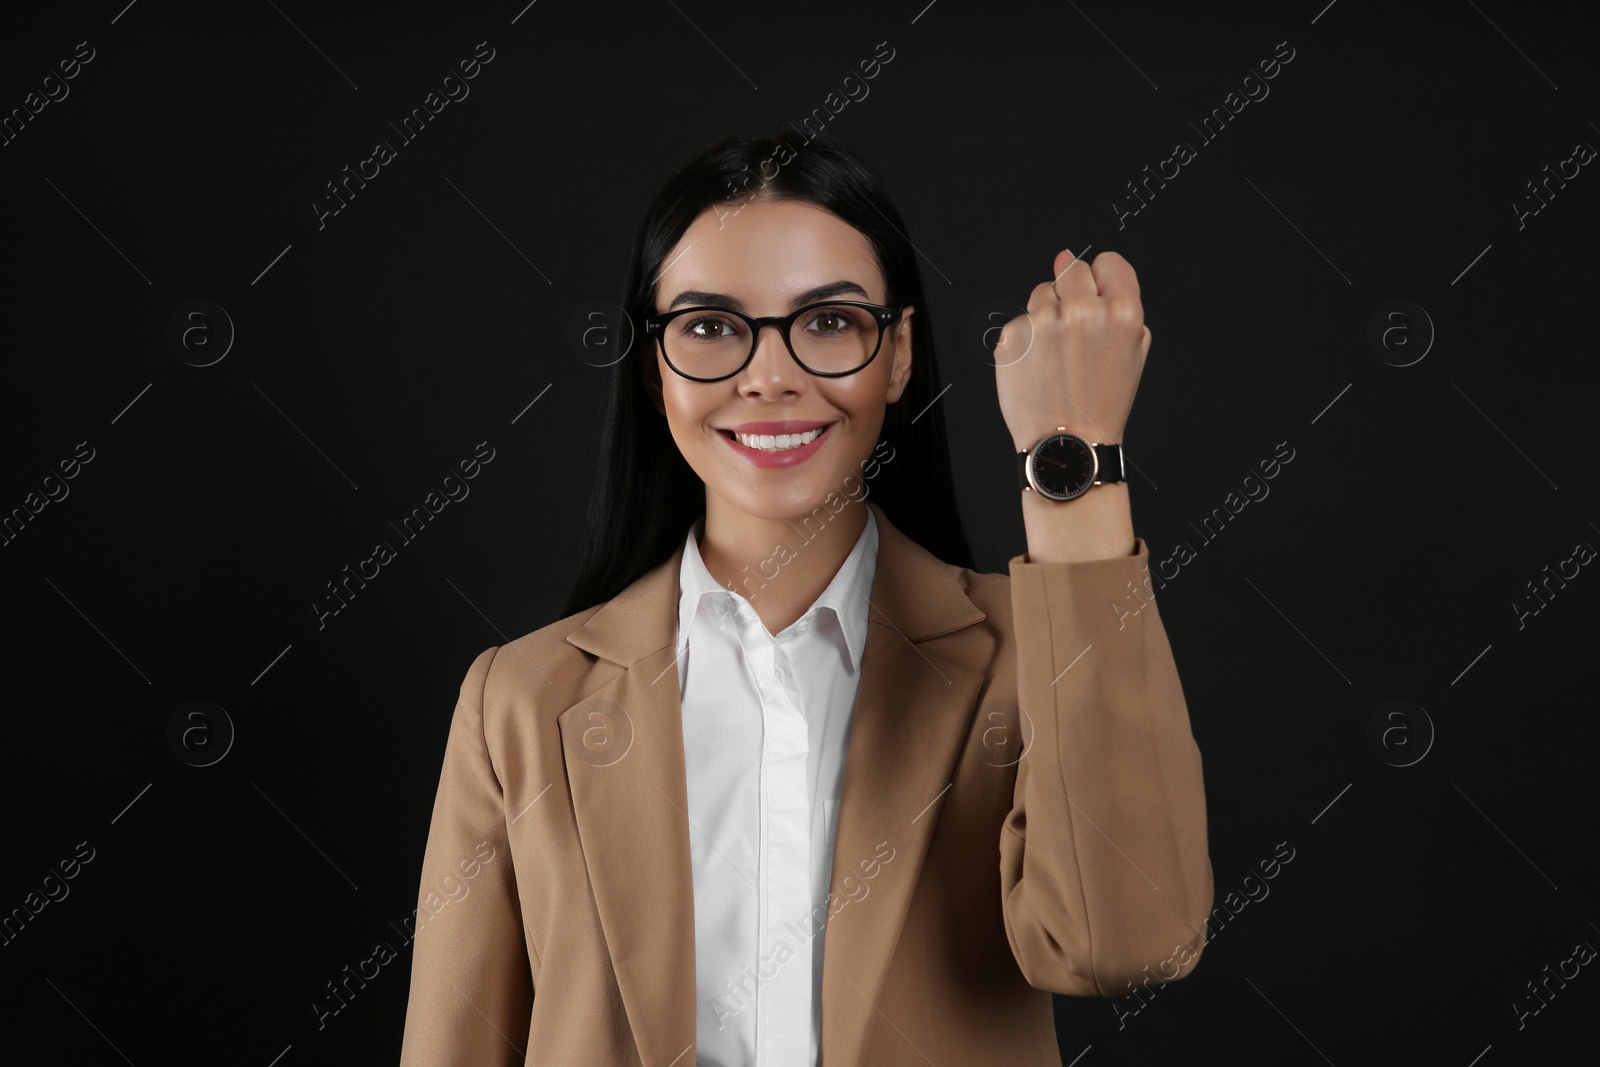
(1063, 467)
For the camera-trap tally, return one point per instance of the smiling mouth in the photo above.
(779, 442)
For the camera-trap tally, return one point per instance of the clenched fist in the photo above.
(1075, 358)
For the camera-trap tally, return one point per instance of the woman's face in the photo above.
(768, 258)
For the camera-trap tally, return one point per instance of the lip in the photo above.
(789, 458)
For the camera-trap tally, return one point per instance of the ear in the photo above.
(900, 372)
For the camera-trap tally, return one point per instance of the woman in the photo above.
(791, 780)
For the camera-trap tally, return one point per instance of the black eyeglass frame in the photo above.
(885, 316)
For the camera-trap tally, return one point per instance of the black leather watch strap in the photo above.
(1110, 459)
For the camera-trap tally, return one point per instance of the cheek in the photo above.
(863, 400)
(686, 414)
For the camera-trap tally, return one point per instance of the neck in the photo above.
(780, 565)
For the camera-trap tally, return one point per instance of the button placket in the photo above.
(786, 845)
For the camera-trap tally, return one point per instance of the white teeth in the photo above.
(781, 443)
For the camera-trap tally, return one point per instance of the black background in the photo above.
(374, 353)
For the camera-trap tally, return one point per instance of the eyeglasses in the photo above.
(712, 344)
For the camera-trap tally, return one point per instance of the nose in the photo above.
(772, 370)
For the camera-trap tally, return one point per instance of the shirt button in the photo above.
(779, 672)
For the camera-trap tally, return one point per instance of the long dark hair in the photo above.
(645, 495)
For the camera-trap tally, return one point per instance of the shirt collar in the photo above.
(846, 595)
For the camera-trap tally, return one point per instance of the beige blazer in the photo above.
(1022, 811)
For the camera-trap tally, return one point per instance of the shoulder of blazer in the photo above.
(542, 668)
(560, 663)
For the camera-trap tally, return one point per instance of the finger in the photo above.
(1115, 276)
(1043, 299)
(1074, 279)
(1063, 258)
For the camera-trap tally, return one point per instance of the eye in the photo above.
(834, 321)
(709, 327)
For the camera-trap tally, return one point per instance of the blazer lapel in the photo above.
(912, 716)
(623, 748)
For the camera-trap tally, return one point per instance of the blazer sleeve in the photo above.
(471, 984)
(1104, 868)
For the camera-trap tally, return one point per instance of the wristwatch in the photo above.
(1063, 466)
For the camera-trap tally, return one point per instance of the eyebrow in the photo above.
(696, 297)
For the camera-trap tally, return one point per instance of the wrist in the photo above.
(1097, 525)
(1025, 442)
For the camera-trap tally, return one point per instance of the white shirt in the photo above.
(766, 721)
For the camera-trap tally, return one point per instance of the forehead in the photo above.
(765, 250)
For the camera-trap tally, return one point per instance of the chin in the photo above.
(779, 509)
